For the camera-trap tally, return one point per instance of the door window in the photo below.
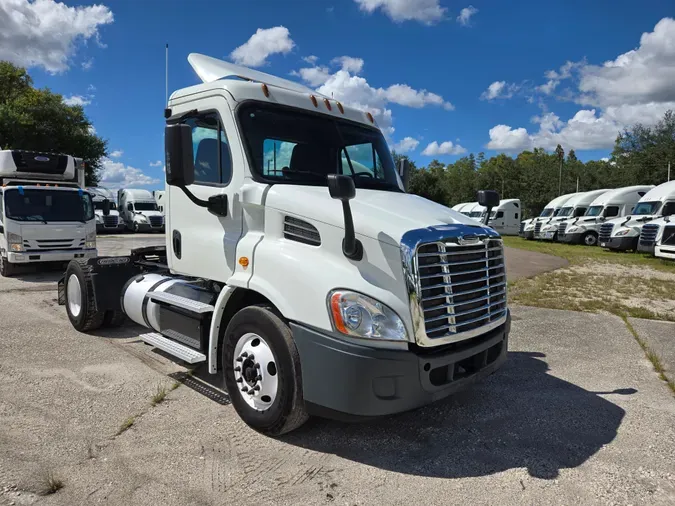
(669, 209)
(213, 163)
(364, 161)
(612, 211)
(500, 214)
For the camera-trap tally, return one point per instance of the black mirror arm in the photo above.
(216, 204)
(487, 215)
(351, 246)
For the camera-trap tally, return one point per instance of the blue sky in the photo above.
(447, 77)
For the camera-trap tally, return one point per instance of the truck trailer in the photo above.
(45, 215)
(297, 266)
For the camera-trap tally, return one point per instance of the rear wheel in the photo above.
(80, 303)
(590, 239)
(6, 269)
(261, 368)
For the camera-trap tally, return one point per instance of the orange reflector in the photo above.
(342, 109)
(266, 91)
(370, 117)
(327, 102)
(243, 261)
(337, 314)
(314, 101)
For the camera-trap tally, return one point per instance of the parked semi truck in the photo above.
(310, 286)
(575, 207)
(505, 218)
(108, 218)
(665, 242)
(45, 216)
(139, 211)
(532, 227)
(612, 204)
(623, 234)
(160, 199)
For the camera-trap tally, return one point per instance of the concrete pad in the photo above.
(660, 337)
(525, 264)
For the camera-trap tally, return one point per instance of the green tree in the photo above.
(38, 120)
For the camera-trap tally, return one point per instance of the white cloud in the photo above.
(117, 175)
(91, 88)
(117, 153)
(263, 43)
(311, 59)
(465, 14)
(444, 148)
(555, 77)
(158, 163)
(403, 94)
(77, 100)
(314, 76)
(349, 63)
(87, 64)
(406, 145)
(499, 89)
(45, 33)
(424, 11)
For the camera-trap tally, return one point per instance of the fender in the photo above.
(216, 322)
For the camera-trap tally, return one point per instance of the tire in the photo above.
(81, 311)
(114, 319)
(6, 268)
(135, 227)
(286, 410)
(589, 239)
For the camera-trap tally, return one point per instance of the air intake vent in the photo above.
(301, 231)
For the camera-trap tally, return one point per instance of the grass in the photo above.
(50, 483)
(126, 425)
(160, 395)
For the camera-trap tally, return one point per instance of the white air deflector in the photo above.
(301, 231)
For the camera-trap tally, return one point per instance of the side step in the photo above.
(183, 302)
(173, 348)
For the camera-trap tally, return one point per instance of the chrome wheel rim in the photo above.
(590, 240)
(255, 371)
(74, 295)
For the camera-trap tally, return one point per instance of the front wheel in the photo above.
(590, 239)
(261, 369)
(6, 268)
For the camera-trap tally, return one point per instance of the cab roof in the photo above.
(660, 193)
(559, 201)
(585, 198)
(620, 195)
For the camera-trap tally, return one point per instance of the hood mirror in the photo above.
(488, 199)
(106, 207)
(342, 188)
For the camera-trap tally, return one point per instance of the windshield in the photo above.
(292, 147)
(646, 208)
(145, 206)
(98, 205)
(48, 205)
(594, 211)
(546, 213)
(565, 211)
(476, 214)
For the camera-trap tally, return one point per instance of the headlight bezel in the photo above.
(14, 242)
(90, 240)
(622, 232)
(342, 300)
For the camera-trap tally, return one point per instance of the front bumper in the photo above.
(665, 252)
(50, 256)
(646, 248)
(571, 238)
(102, 228)
(344, 380)
(621, 243)
(548, 235)
(528, 234)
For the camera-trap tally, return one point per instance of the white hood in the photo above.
(380, 215)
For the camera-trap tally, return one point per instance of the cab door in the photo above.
(201, 243)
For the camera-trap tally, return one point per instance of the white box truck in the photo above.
(45, 215)
(139, 211)
(108, 218)
(310, 287)
(532, 227)
(623, 234)
(665, 242)
(505, 218)
(575, 207)
(612, 204)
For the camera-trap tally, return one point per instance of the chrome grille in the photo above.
(561, 229)
(537, 227)
(110, 221)
(51, 244)
(156, 221)
(301, 231)
(605, 232)
(668, 236)
(648, 234)
(462, 287)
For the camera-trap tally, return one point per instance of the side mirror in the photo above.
(106, 207)
(342, 188)
(180, 167)
(404, 172)
(488, 199)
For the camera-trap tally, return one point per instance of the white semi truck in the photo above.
(575, 207)
(505, 218)
(108, 218)
(45, 215)
(623, 234)
(531, 228)
(139, 211)
(665, 242)
(612, 204)
(309, 286)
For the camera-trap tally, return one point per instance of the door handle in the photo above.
(176, 243)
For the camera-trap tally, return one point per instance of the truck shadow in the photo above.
(521, 417)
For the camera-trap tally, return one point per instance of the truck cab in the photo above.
(139, 211)
(574, 208)
(474, 210)
(664, 246)
(505, 218)
(45, 215)
(624, 234)
(160, 199)
(531, 228)
(108, 218)
(612, 204)
(297, 266)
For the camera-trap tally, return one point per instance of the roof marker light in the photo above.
(327, 102)
(370, 117)
(265, 89)
(314, 101)
(342, 109)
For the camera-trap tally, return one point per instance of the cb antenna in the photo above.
(166, 74)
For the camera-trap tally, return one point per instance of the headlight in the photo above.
(90, 240)
(623, 231)
(142, 218)
(529, 227)
(572, 230)
(358, 315)
(15, 242)
(99, 219)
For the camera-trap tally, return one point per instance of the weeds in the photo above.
(126, 425)
(160, 395)
(50, 483)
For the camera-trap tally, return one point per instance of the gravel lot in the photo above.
(577, 415)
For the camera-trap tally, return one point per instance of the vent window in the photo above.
(301, 231)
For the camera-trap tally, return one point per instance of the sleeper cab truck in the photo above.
(296, 266)
(573, 208)
(612, 204)
(139, 211)
(665, 242)
(505, 218)
(624, 234)
(45, 215)
(108, 219)
(532, 227)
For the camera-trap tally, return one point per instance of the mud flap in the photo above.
(62, 291)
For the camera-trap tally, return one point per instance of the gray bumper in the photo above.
(570, 238)
(621, 243)
(527, 234)
(341, 378)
